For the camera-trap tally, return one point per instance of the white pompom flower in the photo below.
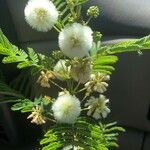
(76, 40)
(98, 107)
(62, 71)
(66, 108)
(41, 14)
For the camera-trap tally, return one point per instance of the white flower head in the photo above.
(76, 40)
(41, 14)
(61, 70)
(98, 107)
(66, 108)
(98, 83)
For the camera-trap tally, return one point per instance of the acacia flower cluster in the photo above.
(66, 108)
(74, 67)
(73, 78)
(41, 15)
(76, 40)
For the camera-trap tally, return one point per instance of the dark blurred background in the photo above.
(129, 89)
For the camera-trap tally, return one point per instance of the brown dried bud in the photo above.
(44, 78)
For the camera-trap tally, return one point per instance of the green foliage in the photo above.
(47, 62)
(81, 2)
(64, 13)
(14, 55)
(84, 134)
(8, 94)
(127, 46)
(17, 89)
(68, 11)
(26, 105)
(23, 83)
(104, 64)
(106, 57)
(95, 47)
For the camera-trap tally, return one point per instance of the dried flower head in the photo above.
(98, 107)
(81, 70)
(41, 14)
(44, 78)
(97, 83)
(37, 116)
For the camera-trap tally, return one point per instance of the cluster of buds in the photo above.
(97, 36)
(44, 78)
(93, 11)
(97, 83)
(37, 116)
(71, 3)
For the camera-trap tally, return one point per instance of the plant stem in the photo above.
(57, 85)
(84, 98)
(70, 86)
(85, 109)
(81, 90)
(56, 29)
(89, 19)
(51, 119)
(78, 10)
(76, 87)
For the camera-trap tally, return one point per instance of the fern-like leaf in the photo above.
(127, 46)
(7, 94)
(104, 64)
(64, 13)
(84, 134)
(14, 55)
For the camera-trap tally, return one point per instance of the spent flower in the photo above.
(81, 70)
(98, 83)
(44, 78)
(98, 107)
(37, 116)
